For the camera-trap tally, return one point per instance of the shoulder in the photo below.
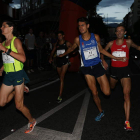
(129, 41)
(110, 43)
(17, 41)
(77, 38)
(26, 36)
(97, 37)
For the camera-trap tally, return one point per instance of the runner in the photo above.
(61, 63)
(91, 67)
(13, 59)
(120, 70)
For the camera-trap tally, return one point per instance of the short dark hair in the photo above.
(60, 32)
(120, 25)
(83, 19)
(10, 23)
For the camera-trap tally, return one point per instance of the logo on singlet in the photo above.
(123, 46)
(93, 42)
(83, 45)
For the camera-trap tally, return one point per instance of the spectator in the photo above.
(30, 45)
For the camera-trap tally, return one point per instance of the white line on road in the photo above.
(40, 133)
(45, 85)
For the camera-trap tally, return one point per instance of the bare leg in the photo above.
(104, 84)
(92, 85)
(126, 84)
(5, 94)
(113, 82)
(19, 98)
(62, 71)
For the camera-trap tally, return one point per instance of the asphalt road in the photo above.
(73, 119)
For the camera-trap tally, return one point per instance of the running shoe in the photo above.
(31, 126)
(59, 99)
(127, 126)
(26, 89)
(31, 70)
(100, 115)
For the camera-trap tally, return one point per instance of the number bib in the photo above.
(60, 52)
(7, 58)
(118, 54)
(90, 54)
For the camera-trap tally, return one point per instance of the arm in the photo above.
(103, 51)
(20, 55)
(18, 45)
(51, 55)
(108, 46)
(1, 70)
(132, 44)
(68, 44)
(72, 47)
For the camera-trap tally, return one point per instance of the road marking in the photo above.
(40, 133)
(44, 85)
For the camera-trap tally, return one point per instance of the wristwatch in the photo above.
(8, 52)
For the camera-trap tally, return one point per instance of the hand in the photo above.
(105, 64)
(123, 59)
(61, 55)
(50, 60)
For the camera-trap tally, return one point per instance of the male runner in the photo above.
(120, 70)
(61, 63)
(90, 49)
(13, 58)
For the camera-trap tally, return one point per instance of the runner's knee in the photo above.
(107, 92)
(112, 86)
(19, 106)
(2, 104)
(126, 96)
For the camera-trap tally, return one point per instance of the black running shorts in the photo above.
(60, 61)
(96, 70)
(120, 72)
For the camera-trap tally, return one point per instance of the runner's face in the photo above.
(83, 27)
(120, 32)
(6, 29)
(60, 37)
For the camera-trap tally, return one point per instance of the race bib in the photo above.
(90, 54)
(7, 58)
(119, 54)
(60, 52)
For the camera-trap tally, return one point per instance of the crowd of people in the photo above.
(37, 49)
(93, 66)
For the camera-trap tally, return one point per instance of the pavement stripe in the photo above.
(44, 85)
(49, 113)
(47, 134)
(78, 129)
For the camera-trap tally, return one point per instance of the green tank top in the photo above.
(10, 63)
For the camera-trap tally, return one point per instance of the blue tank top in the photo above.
(89, 51)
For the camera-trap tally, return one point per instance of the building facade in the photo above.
(39, 15)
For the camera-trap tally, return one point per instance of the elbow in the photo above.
(24, 60)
